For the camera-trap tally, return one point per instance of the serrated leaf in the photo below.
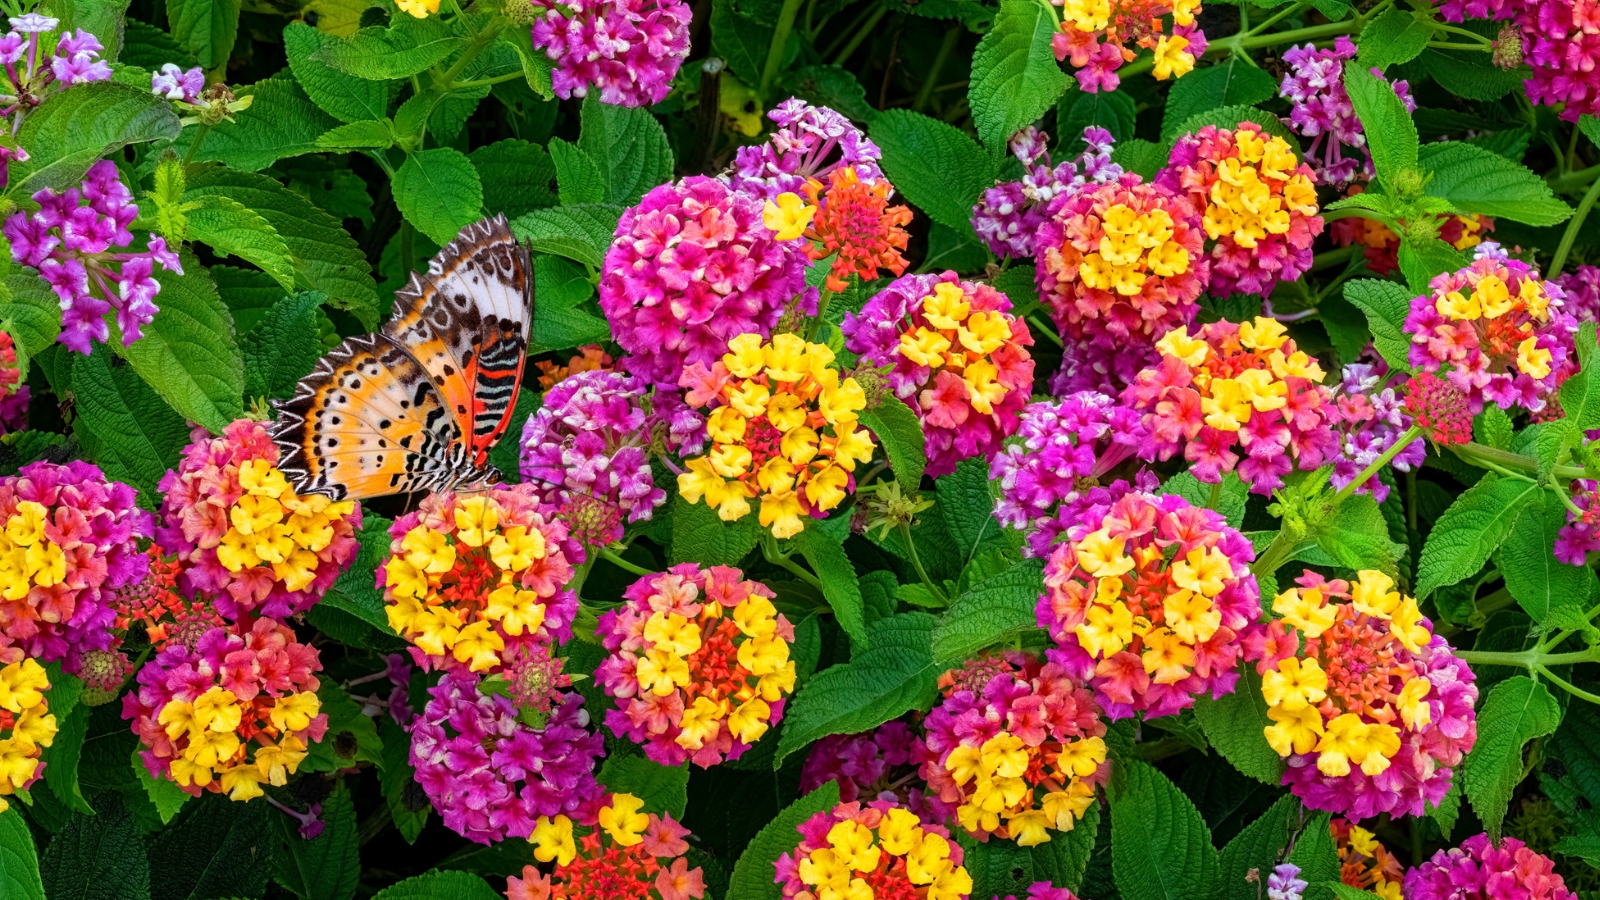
(1395, 37)
(167, 193)
(1231, 492)
(1115, 111)
(327, 867)
(214, 848)
(188, 354)
(1541, 584)
(839, 583)
(752, 874)
(1000, 868)
(578, 179)
(407, 47)
(1160, 847)
(205, 28)
(994, 610)
(894, 674)
(440, 886)
(1234, 82)
(438, 191)
(1517, 710)
(1386, 304)
(408, 804)
(1234, 726)
(561, 319)
(1015, 77)
(369, 135)
(73, 129)
(1358, 538)
(340, 94)
(229, 227)
(699, 536)
(1259, 846)
(967, 508)
(62, 756)
(1470, 74)
(1475, 180)
(283, 347)
(98, 857)
(516, 177)
(164, 794)
(1422, 259)
(1391, 135)
(536, 64)
(938, 168)
(281, 122)
(1580, 394)
(629, 149)
(19, 860)
(664, 789)
(138, 436)
(900, 433)
(1471, 529)
(1346, 892)
(34, 314)
(347, 727)
(740, 39)
(579, 233)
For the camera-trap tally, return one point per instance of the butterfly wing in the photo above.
(466, 322)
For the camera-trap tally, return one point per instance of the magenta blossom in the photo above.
(629, 49)
(811, 141)
(874, 765)
(1480, 870)
(1322, 110)
(1007, 217)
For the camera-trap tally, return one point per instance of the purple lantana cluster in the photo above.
(874, 765)
(491, 776)
(1367, 424)
(1323, 112)
(810, 142)
(1008, 215)
(629, 49)
(69, 240)
(1481, 870)
(173, 83)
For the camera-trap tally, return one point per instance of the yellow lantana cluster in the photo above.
(26, 722)
(1132, 244)
(783, 428)
(272, 525)
(1002, 788)
(1258, 191)
(28, 558)
(1259, 367)
(206, 735)
(869, 851)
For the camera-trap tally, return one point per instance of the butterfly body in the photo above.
(418, 405)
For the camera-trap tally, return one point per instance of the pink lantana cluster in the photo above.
(242, 534)
(1367, 424)
(1581, 286)
(69, 543)
(69, 240)
(1016, 747)
(1481, 870)
(1007, 217)
(1495, 331)
(1061, 449)
(1561, 41)
(1151, 601)
(1234, 387)
(1258, 203)
(955, 355)
(1580, 536)
(14, 395)
(491, 776)
(874, 765)
(692, 267)
(1323, 112)
(629, 49)
(1099, 37)
(810, 143)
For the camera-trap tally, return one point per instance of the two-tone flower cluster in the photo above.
(1061, 448)
(691, 267)
(1322, 110)
(955, 355)
(872, 850)
(1364, 862)
(70, 240)
(1007, 217)
(1258, 203)
(14, 395)
(1244, 387)
(810, 143)
(784, 431)
(1016, 747)
(629, 49)
(243, 535)
(880, 764)
(1100, 35)
(471, 577)
(1151, 601)
(1367, 423)
(35, 71)
(699, 664)
(1480, 869)
(491, 775)
(157, 605)
(26, 725)
(1494, 330)
(237, 711)
(625, 854)
(68, 543)
(848, 218)
(1370, 708)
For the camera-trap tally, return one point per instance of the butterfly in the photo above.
(418, 405)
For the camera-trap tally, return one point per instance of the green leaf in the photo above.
(895, 674)
(999, 868)
(229, 227)
(138, 436)
(438, 191)
(62, 756)
(1391, 134)
(167, 193)
(339, 94)
(898, 430)
(72, 129)
(1471, 529)
(407, 47)
(1235, 726)
(1422, 259)
(1145, 158)
(1015, 77)
(205, 28)
(536, 64)
(740, 39)
(1115, 111)
(1232, 493)
(1231, 116)
(280, 350)
(628, 146)
(937, 167)
(34, 314)
(579, 233)
(326, 257)
(149, 47)
(577, 177)
(992, 611)
(1346, 892)
(1386, 304)
(752, 874)
(516, 177)
(408, 803)
(561, 318)
(188, 354)
(1518, 710)
(369, 135)
(98, 856)
(327, 867)
(1160, 847)
(441, 886)
(1470, 74)
(355, 591)
(1358, 537)
(281, 122)
(664, 789)
(1475, 180)
(19, 861)
(1542, 585)
(348, 728)
(839, 584)
(1395, 37)
(967, 507)
(1580, 394)
(105, 19)
(1259, 846)
(1231, 83)
(698, 535)
(164, 794)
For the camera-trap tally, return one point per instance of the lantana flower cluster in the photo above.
(810, 143)
(470, 577)
(1370, 709)
(237, 711)
(1007, 217)
(1481, 869)
(955, 355)
(1230, 387)
(876, 849)
(491, 776)
(68, 542)
(243, 535)
(34, 73)
(1367, 424)
(629, 49)
(1580, 536)
(1016, 747)
(26, 725)
(699, 664)
(1060, 448)
(849, 218)
(1257, 201)
(70, 240)
(628, 854)
(1100, 35)
(1151, 601)
(1380, 246)
(14, 395)
(880, 764)
(1364, 862)
(1494, 330)
(1323, 112)
(784, 431)
(157, 605)
(1559, 40)
(691, 267)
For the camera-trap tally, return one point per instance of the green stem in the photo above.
(780, 39)
(945, 49)
(1571, 234)
(1333, 257)
(1278, 17)
(1526, 659)
(1400, 443)
(1241, 43)
(1451, 29)
(1568, 687)
(860, 35)
(447, 82)
(610, 556)
(1451, 45)
(194, 146)
(1276, 554)
(822, 312)
(1479, 454)
(1574, 180)
(911, 546)
(486, 82)
(1216, 495)
(769, 549)
(1040, 328)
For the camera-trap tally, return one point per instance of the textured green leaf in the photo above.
(839, 584)
(896, 673)
(664, 789)
(579, 233)
(1423, 258)
(98, 857)
(1231, 116)
(149, 47)
(1015, 77)
(992, 611)
(561, 318)
(438, 191)
(1471, 529)
(1470, 74)
(1232, 494)
(19, 861)
(230, 227)
(999, 868)
(164, 794)
(205, 28)
(899, 431)
(138, 435)
(369, 135)
(1115, 111)
(105, 19)
(1386, 305)
(62, 756)
(1358, 537)
(72, 129)
(348, 729)
(327, 867)
(1580, 394)
(698, 535)
(188, 354)
(1233, 82)
(408, 803)
(1542, 585)
(1316, 854)
(536, 64)
(441, 886)
(1346, 892)
(1395, 37)
(214, 848)
(1234, 726)
(281, 122)
(967, 508)
(1476, 180)
(1390, 132)
(339, 94)
(407, 47)
(740, 40)
(578, 178)
(628, 147)
(33, 314)
(516, 177)
(281, 349)
(1259, 846)
(1517, 710)
(938, 168)
(1160, 847)
(752, 874)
